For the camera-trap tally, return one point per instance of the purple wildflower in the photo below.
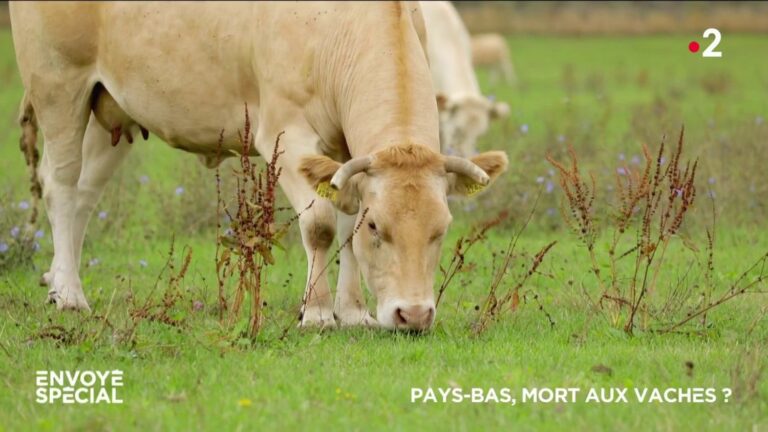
(3, 247)
(23, 205)
(39, 233)
(622, 156)
(15, 231)
(621, 171)
(524, 128)
(144, 179)
(711, 180)
(561, 138)
(635, 160)
(550, 187)
(179, 190)
(102, 215)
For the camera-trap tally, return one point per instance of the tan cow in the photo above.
(348, 83)
(464, 111)
(490, 50)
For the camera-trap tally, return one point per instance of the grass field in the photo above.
(606, 96)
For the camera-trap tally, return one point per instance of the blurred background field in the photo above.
(604, 78)
(569, 18)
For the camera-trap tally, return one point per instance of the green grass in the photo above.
(191, 378)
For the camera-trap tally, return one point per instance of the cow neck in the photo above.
(387, 97)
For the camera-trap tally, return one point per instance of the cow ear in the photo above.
(442, 102)
(498, 110)
(318, 171)
(493, 163)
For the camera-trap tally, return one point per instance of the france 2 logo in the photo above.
(710, 51)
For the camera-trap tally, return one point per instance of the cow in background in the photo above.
(464, 112)
(490, 50)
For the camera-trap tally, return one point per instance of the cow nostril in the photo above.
(415, 317)
(400, 317)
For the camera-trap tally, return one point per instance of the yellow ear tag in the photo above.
(474, 188)
(325, 190)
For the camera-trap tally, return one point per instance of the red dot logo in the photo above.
(693, 47)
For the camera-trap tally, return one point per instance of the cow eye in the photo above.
(372, 226)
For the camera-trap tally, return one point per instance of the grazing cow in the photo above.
(348, 83)
(490, 50)
(464, 111)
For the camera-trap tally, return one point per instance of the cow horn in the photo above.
(350, 168)
(458, 165)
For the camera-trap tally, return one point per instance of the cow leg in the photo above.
(494, 74)
(350, 305)
(100, 161)
(63, 118)
(42, 169)
(508, 70)
(317, 233)
(317, 223)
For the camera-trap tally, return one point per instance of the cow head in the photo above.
(463, 118)
(400, 198)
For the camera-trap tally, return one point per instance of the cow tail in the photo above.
(28, 146)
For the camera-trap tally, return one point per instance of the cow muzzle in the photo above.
(407, 316)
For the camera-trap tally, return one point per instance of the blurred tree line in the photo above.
(613, 17)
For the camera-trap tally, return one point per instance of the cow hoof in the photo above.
(317, 318)
(356, 317)
(68, 296)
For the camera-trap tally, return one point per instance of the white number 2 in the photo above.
(709, 52)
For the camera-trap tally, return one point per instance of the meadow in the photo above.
(604, 96)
